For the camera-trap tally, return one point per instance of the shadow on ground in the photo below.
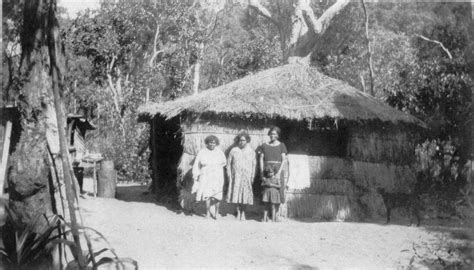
(139, 193)
(459, 241)
(135, 193)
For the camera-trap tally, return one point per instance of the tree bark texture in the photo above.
(28, 180)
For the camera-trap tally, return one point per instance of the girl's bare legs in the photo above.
(216, 208)
(239, 211)
(208, 207)
(243, 207)
(277, 211)
(273, 212)
(265, 212)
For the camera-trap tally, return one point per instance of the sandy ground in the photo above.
(157, 237)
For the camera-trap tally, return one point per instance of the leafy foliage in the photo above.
(118, 57)
(411, 74)
(31, 248)
(123, 54)
(434, 87)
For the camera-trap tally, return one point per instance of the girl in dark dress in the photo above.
(271, 193)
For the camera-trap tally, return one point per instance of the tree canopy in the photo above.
(125, 54)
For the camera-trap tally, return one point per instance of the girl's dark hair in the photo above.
(267, 171)
(211, 138)
(275, 128)
(240, 135)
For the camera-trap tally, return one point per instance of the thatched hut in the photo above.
(342, 142)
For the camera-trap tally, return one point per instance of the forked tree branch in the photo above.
(319, 26)
(330, 13)
(437, 42)
(155, 44)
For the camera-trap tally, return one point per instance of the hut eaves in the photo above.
(292, 91)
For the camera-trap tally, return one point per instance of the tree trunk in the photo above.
(31, 197)
(197, 69)
(28, 181)
(305, 29)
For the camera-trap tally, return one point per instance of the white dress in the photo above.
(208, 169)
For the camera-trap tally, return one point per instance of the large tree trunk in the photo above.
(28, 181)
(31, 195)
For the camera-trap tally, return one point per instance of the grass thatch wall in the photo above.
(339, 187)
(365, 175)
(380, 145)
(340, 184)
(322, 207)
(226, 130)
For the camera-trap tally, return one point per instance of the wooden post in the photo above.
(94, 178)
(154, 156)
(5, 152)
(3, 170)
(107, 180)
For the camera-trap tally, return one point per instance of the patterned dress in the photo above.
(208, 168)
(241, 167)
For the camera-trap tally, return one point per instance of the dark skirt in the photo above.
(271, 195)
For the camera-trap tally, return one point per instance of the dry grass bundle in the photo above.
(321, 167)
(380, 146)
(185, 165)
(322, 207)
(332, 187)
(196, 132)
(328, 187)
(391, 177)
(185, 181)
(362, 174)
(373, 204)
(293, 91)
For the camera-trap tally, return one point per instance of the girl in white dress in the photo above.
(208, 174)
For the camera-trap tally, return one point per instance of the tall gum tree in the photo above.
(299, 39)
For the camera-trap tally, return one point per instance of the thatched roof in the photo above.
(292, 91)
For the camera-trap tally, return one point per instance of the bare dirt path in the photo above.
(159, 238)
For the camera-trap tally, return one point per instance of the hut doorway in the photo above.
(166, 141)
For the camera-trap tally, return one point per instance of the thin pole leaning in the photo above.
(53, 32)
